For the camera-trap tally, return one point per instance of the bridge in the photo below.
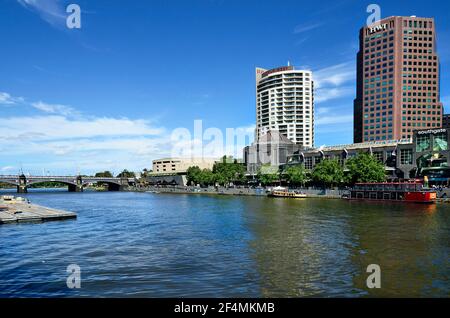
(74, 183)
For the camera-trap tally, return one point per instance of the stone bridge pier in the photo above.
(78, 186)
(22, 186)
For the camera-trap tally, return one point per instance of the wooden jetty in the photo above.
(16, 209)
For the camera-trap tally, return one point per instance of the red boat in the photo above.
(399, 191)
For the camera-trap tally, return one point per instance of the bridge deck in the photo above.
(21, 211)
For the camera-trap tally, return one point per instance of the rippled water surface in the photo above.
(163, 245)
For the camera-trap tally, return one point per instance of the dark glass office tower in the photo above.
(397, 79)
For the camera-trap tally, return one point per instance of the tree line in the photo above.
(222, 173)
(328, 173)
(124, 174)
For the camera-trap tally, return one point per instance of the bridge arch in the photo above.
(10, 182)
(72, 186)
(112, 184)
(50, 181)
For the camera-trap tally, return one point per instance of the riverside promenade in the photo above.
(246, 191)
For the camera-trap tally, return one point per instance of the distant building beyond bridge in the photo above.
(74, 183)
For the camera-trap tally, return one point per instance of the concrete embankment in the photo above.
(16, 209)
(311, 193)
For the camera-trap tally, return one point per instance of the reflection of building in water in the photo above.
(404, 242)
(295, 254)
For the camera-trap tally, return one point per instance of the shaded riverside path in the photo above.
(168, 245)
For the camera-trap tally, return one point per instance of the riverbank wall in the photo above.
(313, 193)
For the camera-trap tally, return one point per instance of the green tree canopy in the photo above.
(328, 173)
(268, 174)
(146, 172)
(206, 177)
(226, 171)
(126, 174)
(193, 175)
(364, 168)
(295, 175)
(104, 174)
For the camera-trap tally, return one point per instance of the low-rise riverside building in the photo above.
(427, 153)
(172, 171)
(385, 151)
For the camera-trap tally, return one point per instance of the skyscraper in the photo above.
(397, 79)
(285, 102)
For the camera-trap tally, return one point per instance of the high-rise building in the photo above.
(397, 79)
(446, 121)
(285, 102)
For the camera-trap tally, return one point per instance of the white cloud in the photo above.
(60, 127)
(335, 75)
(50, 11)
(307, 27)
(7, 99)
(334, 82)
(55, 109)
(61, 144)
(7, 168)
(326, 94)
(301, 41)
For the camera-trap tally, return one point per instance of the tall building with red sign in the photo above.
(397, 79)
(285, 102)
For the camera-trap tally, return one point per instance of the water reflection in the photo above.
(323, 247)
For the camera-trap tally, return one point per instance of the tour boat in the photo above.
(280, 192)
(399, 191)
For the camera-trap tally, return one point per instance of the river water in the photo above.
(169, 245)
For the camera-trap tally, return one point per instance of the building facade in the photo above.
(397, 80)
(427, 153)
(285, 103)
(272, 148)
(388, 152)
(431, 154)
(172, 171)
(180, 165)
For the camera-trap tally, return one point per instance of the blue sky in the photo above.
(108, 96)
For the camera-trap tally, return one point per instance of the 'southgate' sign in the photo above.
(431, 131)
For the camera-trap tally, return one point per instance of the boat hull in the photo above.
(411, 197)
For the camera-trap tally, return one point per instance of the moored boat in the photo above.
(395, 191)
(280, 192)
